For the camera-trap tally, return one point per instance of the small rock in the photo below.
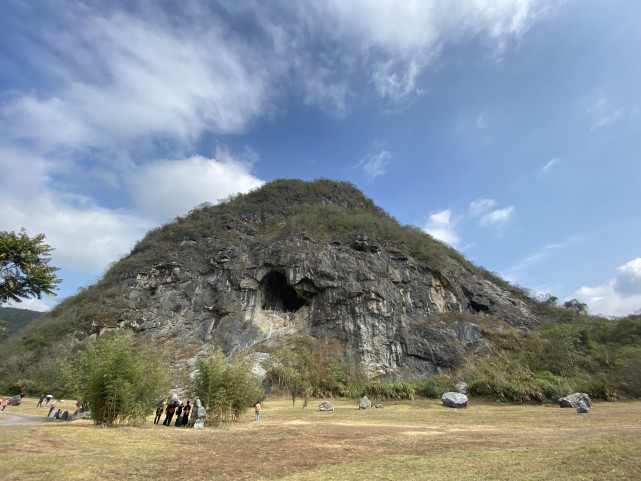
(378, 406)
(582, 408)
(461, 387)
(325, 406)
(454, 400)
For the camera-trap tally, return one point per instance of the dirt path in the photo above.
(8, 419)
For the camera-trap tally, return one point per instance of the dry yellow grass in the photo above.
(419, 440)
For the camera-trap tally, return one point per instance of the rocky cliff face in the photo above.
(397, 315)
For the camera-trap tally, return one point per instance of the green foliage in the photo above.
(119, 378)
(14, 319)
(395, 391)
(311, 367)
(596, 356)
(225, 388)
(431, 388)
(24, 267)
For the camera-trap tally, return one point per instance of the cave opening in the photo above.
(280, 296)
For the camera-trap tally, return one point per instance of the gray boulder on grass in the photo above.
(454, 400)
(378, 406)
(365, 403)
(582, 408)
(573, 400)
(325, 406)
(15, 400)
(198, 415)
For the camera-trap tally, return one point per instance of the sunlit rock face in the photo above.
(239, 286)
(388, 309)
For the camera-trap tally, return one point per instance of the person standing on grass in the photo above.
(257, 411)
(42, 398)
(158, 414)
(5, 403)
(179, 414)
(51, 408)
(186, 410)
(171, 409)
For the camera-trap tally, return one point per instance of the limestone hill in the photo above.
(299, 258)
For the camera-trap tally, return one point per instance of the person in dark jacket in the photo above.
(159, 411)
(186, 411)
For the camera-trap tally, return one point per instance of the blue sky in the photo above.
(510, 129)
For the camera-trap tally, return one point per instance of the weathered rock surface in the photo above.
(573, 400)
(326, 406)
(461, 387)
(198, 415)
(454, 400)
(582, 408)
(364, 403)
(15, 400)
(242, 290)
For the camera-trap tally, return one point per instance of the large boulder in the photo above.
(325, 406)
(15, 400)
(573, 400)
(454, 400)
(365, 403)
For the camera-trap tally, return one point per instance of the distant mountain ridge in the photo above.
(300, 258)
(16, 319)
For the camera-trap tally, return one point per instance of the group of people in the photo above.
(174, 407)
(44, 399)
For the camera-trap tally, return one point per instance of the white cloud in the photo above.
(601, 113)
(167, 188)
(618, 297)
(549, 165)
(497, 218)
(479, 206)
(406, 37)
(156, 81)
(375, 165)
(441, 226)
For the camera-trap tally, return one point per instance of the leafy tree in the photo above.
(24, 267)
(577, 306)
(120, 379)
(227, 388)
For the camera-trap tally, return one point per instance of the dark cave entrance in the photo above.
(278, 295)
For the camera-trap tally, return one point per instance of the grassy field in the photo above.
(418, 440)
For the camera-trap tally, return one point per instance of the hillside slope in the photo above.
(299, 258)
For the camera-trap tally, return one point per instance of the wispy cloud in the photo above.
(601, 113)
(617, 297)
(516, 271)
(482, 209)
(497, 218)
(480, 206)
(375, 165)
(441, 226)
(545, 169)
